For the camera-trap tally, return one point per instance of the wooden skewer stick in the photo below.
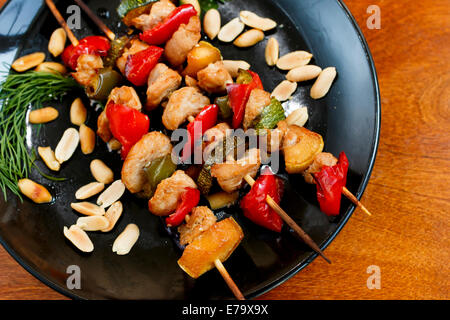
(62, 22)
(96, 20)
(291, 223)
(234, 288)
(353, 199)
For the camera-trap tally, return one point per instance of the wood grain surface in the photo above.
(408, 235)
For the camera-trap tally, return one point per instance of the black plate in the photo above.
(348, 118)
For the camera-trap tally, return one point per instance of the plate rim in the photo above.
(377, 127)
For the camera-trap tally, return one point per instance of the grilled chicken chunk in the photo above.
(231, 173)
(182, 41)
(162, 81)
(214, 78)
(126, 96)
(159, 11)
(136, 46)
(183, 103)
(87, 67)
(322, 159)
(151, 146)
(257, 101)
(168, 193)
(200, 220)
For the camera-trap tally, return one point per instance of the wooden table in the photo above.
(408, 235)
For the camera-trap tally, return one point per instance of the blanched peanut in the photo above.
(293, 60)
(78, 112)
(93, 223)
(67, 145)
(101, 172)
(298, 117)
(284, 90)
(211, 23)
(231, 30)
(303, 73)
(29, 61)
(249, 38)
(126, 240)
(89, 190)
(254, 21)
(57, 42)
(48, 156)
(79, 238)
(233, 66)
(43, 115)
(113, 214)
(272, 51)
(51, 67)
(87, 139)
(111, 194)
(87, 208)
(323, 83)
(36, 192)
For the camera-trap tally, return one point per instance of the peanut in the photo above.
(211, 23)
(126, 240)
(323, 83)
(67, 145)
(48, 156)
(101, 172)
(57, 42)
(249, 38)
(36, 192)
(87, 139)
(43, 115)
(78, 112)
(29, 61)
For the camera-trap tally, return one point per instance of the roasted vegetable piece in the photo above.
(270, 116)
(127, 125)
(225, 111)
(218, 242)
(140, 64)
(100, 87)
(254, 204)
(200, 57)
(222, 199)
(130, 9)
(329, 182)
(205, 120)
(300, 146)
(95, 45)
(238, 95)
(116, 50)
(164, 30)
(158, 170)
(189, 199)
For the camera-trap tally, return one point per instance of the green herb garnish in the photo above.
(18, 93)
(210, 4)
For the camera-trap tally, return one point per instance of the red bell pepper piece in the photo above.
(205, 120)
(127, 125)
(189, 200)
(96, 45)
(254, 204)
(164, 30)
(238, 95)
(140, 64)
(330, 181)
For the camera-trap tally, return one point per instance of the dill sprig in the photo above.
(19, 93)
